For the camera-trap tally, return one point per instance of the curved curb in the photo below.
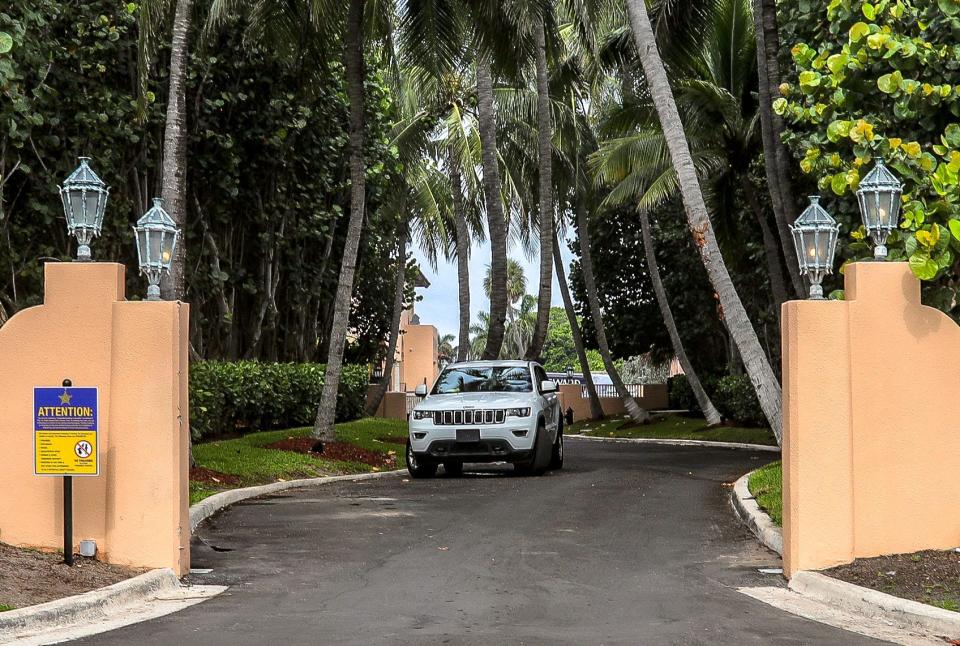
(666, 442)
(877, 605)
(854, 599)
(755, 518)
(89, 606)
(209, 506)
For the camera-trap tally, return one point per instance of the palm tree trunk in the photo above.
(376, 396)
(775, 156)
(596, 408)
(703, 399)
(738, 323)
(496, 222)
(636, 413)
(463, 254)
(354, 74)
(778, 285)
(174, 189)
(545, 149)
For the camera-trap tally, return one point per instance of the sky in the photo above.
(440, 305)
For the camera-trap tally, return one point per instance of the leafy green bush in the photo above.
(736, 400)
(681, 394)
(245, 396)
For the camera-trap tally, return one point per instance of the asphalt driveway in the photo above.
(630, 544)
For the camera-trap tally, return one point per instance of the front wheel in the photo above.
(419, 467)
(556, 457)
(538, 463)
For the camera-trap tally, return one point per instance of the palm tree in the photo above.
(637, 414)
(354, 76)
(445, 345)
(709, 410)
(516, 283)
(738, 323)
(545, 168)
(596, 408)
(776, 159)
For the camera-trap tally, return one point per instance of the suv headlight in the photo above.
(518, 412)
(422, 414)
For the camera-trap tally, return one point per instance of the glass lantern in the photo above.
(84, 197)
(879, 197)
(157, 236)
(815, 239)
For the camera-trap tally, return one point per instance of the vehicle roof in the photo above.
(510, 363)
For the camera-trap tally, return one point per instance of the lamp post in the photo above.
(879, 198)
(157, 236)
(84, 197)
(815, 239)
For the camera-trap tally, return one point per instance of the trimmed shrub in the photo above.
(736, 400)
(228, 397)
(681, 394)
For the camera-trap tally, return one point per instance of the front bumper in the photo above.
(511, 441)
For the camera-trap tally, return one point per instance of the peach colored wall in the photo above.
(392, 406)
(871, 447)
(136, 353)
(419, 351)
(652, 397)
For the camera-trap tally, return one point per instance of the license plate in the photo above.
(468, 435)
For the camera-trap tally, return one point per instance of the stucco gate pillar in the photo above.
(136, 354)
(871, 447)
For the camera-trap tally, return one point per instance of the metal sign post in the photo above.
(68, 509)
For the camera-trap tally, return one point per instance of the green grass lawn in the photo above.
(250, 463)
(766, 486)
(4, 607)
(673, 427)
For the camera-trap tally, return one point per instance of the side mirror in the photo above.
(421, 390)
(548, 386)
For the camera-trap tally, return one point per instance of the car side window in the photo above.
(541, 375)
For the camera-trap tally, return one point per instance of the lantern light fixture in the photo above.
(879, 198)
(569, 372)
(815, 240)
(84, 197)
(157, 236)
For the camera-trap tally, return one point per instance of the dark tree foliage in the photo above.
(631, 315)
(268, 194)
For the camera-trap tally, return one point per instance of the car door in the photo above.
(551, 406)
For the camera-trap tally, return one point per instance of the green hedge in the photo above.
(681, 394)
(736, 399)
(246, 396)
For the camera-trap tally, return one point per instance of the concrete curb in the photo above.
(854, 599)
(755, 518)
(89, 606)
(877, 605)
(209, 506)
(651, 440)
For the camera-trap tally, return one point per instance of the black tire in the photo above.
(453, 469)
(556, 456)
(419, 467)
(538, 463)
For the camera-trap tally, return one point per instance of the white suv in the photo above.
(487, 411)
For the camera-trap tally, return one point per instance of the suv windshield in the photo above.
(484, 379)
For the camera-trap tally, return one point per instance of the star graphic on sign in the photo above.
(65, 397)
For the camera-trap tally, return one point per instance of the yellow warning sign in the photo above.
(65, 431)
(66, 453)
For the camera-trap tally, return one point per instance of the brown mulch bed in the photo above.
(336, 451)
(211, 477)
(28, 577)
(931, 576)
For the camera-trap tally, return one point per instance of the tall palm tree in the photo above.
(738, 323)
(545, 168)
(516, 283)
(703, 399)
(636, 413)
(354, 76)
(596, 408)
(496, 221)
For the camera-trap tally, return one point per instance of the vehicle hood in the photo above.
(475, 400)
